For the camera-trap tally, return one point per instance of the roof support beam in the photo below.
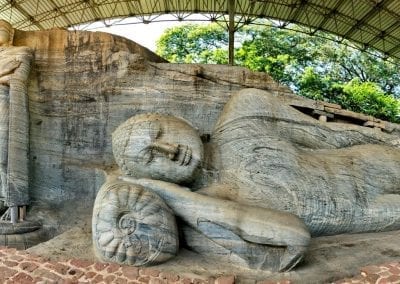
(371, 13)
(383, 34)
(92, 8)
(29, 17)
(388, 30)
(62, 14)
(231, 30)
(298, 10)
(329, 16)
(393, 50)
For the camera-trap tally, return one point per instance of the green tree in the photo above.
(315, 67)
(344, 63)
(193, 44)
(368, 98)
(282, 54)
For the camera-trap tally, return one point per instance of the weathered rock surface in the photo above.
(83, 85)
(271, 160)
(327, 260)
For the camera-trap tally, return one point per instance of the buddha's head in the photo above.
(158, 146)
(6, 31)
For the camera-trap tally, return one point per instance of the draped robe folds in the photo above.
(336, 177)
(14, 127)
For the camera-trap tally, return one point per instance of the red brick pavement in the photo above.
(23, 268)
(388, 273)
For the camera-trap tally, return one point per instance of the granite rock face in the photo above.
(273, 162)
(83, 85)
(338, 178)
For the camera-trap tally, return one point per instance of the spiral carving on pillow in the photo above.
(133, 226)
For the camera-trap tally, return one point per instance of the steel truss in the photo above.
(369, 23)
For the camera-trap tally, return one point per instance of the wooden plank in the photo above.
(331, 105)
(323, 113)
(351, 114)
(375, 124)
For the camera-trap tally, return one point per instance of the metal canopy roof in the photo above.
(371, 23)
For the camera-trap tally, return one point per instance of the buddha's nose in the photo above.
(167, 148)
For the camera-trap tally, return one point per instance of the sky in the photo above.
(143, 34)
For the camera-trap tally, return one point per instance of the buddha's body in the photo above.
(282, 174)
(272, 161)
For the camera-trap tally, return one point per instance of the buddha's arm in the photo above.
(24, 55)
(15, 62)
(7, 67)
(258, 225)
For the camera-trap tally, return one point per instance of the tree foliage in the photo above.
(315, 67)
(368, 98)
(194, 44)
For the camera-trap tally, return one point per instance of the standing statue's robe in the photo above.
(14, 127)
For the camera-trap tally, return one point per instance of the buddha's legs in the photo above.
(218, 243)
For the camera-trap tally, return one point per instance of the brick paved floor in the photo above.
(388, 273)
(21, 267)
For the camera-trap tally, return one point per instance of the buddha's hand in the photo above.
(7, 66)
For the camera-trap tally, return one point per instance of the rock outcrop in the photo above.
(83, 85)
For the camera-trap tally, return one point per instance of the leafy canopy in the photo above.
(192, 43)
(315, 67)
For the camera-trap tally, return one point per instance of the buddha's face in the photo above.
(4, 33)
(159, 147)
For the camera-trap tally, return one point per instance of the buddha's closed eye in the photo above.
(152, 131)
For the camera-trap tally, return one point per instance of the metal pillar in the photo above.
(231, 30)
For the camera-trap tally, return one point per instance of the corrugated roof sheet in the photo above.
(371, 23)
